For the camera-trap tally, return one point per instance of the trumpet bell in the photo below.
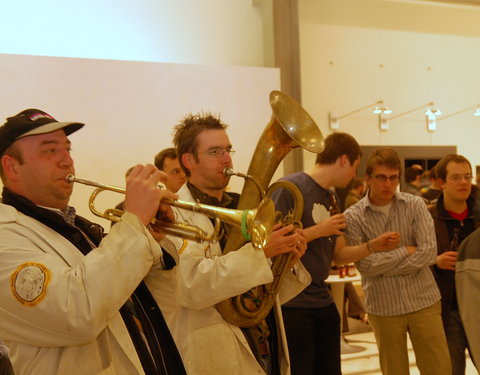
(261, 224)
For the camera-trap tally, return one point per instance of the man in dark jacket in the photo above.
(454, 221)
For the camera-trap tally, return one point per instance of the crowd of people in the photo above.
(75, 300)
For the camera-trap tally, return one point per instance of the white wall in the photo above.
(428, 51)
(345, 68)
(208, 32)
(130, 108)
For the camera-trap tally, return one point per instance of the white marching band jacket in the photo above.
(209, 344)
(59, 308)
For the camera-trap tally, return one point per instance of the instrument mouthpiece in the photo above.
(229, 172)
(70, 178)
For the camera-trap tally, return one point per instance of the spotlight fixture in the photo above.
(431, 114)
(382, 110)
(379, 109)
(382, 122)
(476, 113)
(431, 121)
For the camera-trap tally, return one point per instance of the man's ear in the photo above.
(10, 167)
(187, 160)
(367, 180)
(344, 161)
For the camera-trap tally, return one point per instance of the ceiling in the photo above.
(455, 2)
(446, 17)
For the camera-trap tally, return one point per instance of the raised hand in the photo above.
(143, 196)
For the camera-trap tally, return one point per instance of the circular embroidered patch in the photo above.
(29, 283)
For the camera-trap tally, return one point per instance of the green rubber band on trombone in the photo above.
(245, 234)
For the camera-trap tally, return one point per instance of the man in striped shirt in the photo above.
(401, 293)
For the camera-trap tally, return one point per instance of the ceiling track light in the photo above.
(379, 109)
(382, 110)
(431, 114)
(428, 105)
(475, 107)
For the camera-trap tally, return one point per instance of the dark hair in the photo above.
(411, 174)
(356, 183)
(387, 157)
(162, 155)
(186, 132)
(441, 167)
(432, 173)
(15, 153)
(336, 145)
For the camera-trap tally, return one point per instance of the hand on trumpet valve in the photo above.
(143, 197)
(286, 239)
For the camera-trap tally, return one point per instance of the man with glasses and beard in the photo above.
(400, 290)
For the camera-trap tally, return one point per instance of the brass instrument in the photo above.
(290, 127)
(255, 224)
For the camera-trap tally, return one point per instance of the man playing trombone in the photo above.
(63, 287)
(208, 343)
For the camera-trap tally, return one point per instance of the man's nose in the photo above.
(226, 157)
(66, 159)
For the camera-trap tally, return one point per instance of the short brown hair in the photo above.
(387, 157)
(411, 174)
(336, 145)
(441, 167)
(356, 183)
(162, 155)
(186, 132)
(433, 172)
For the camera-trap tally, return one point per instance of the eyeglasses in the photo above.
(382, 178)
(458, 177)
(218, 152)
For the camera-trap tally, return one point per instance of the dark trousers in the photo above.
(457, 342)
(313, 337)
(5, 366)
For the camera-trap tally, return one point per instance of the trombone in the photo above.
(256, 224)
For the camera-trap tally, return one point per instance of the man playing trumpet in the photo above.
(61, 283)
(208, 343)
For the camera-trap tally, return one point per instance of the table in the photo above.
(337, 287)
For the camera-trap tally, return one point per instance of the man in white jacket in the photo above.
(63, 286)
(208, 343)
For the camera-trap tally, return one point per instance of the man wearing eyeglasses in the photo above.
(208, 343)
(400, 290)
(454, 221)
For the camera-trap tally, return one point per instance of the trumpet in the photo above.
(255, 224)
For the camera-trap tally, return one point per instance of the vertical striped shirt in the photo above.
(395, 283)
